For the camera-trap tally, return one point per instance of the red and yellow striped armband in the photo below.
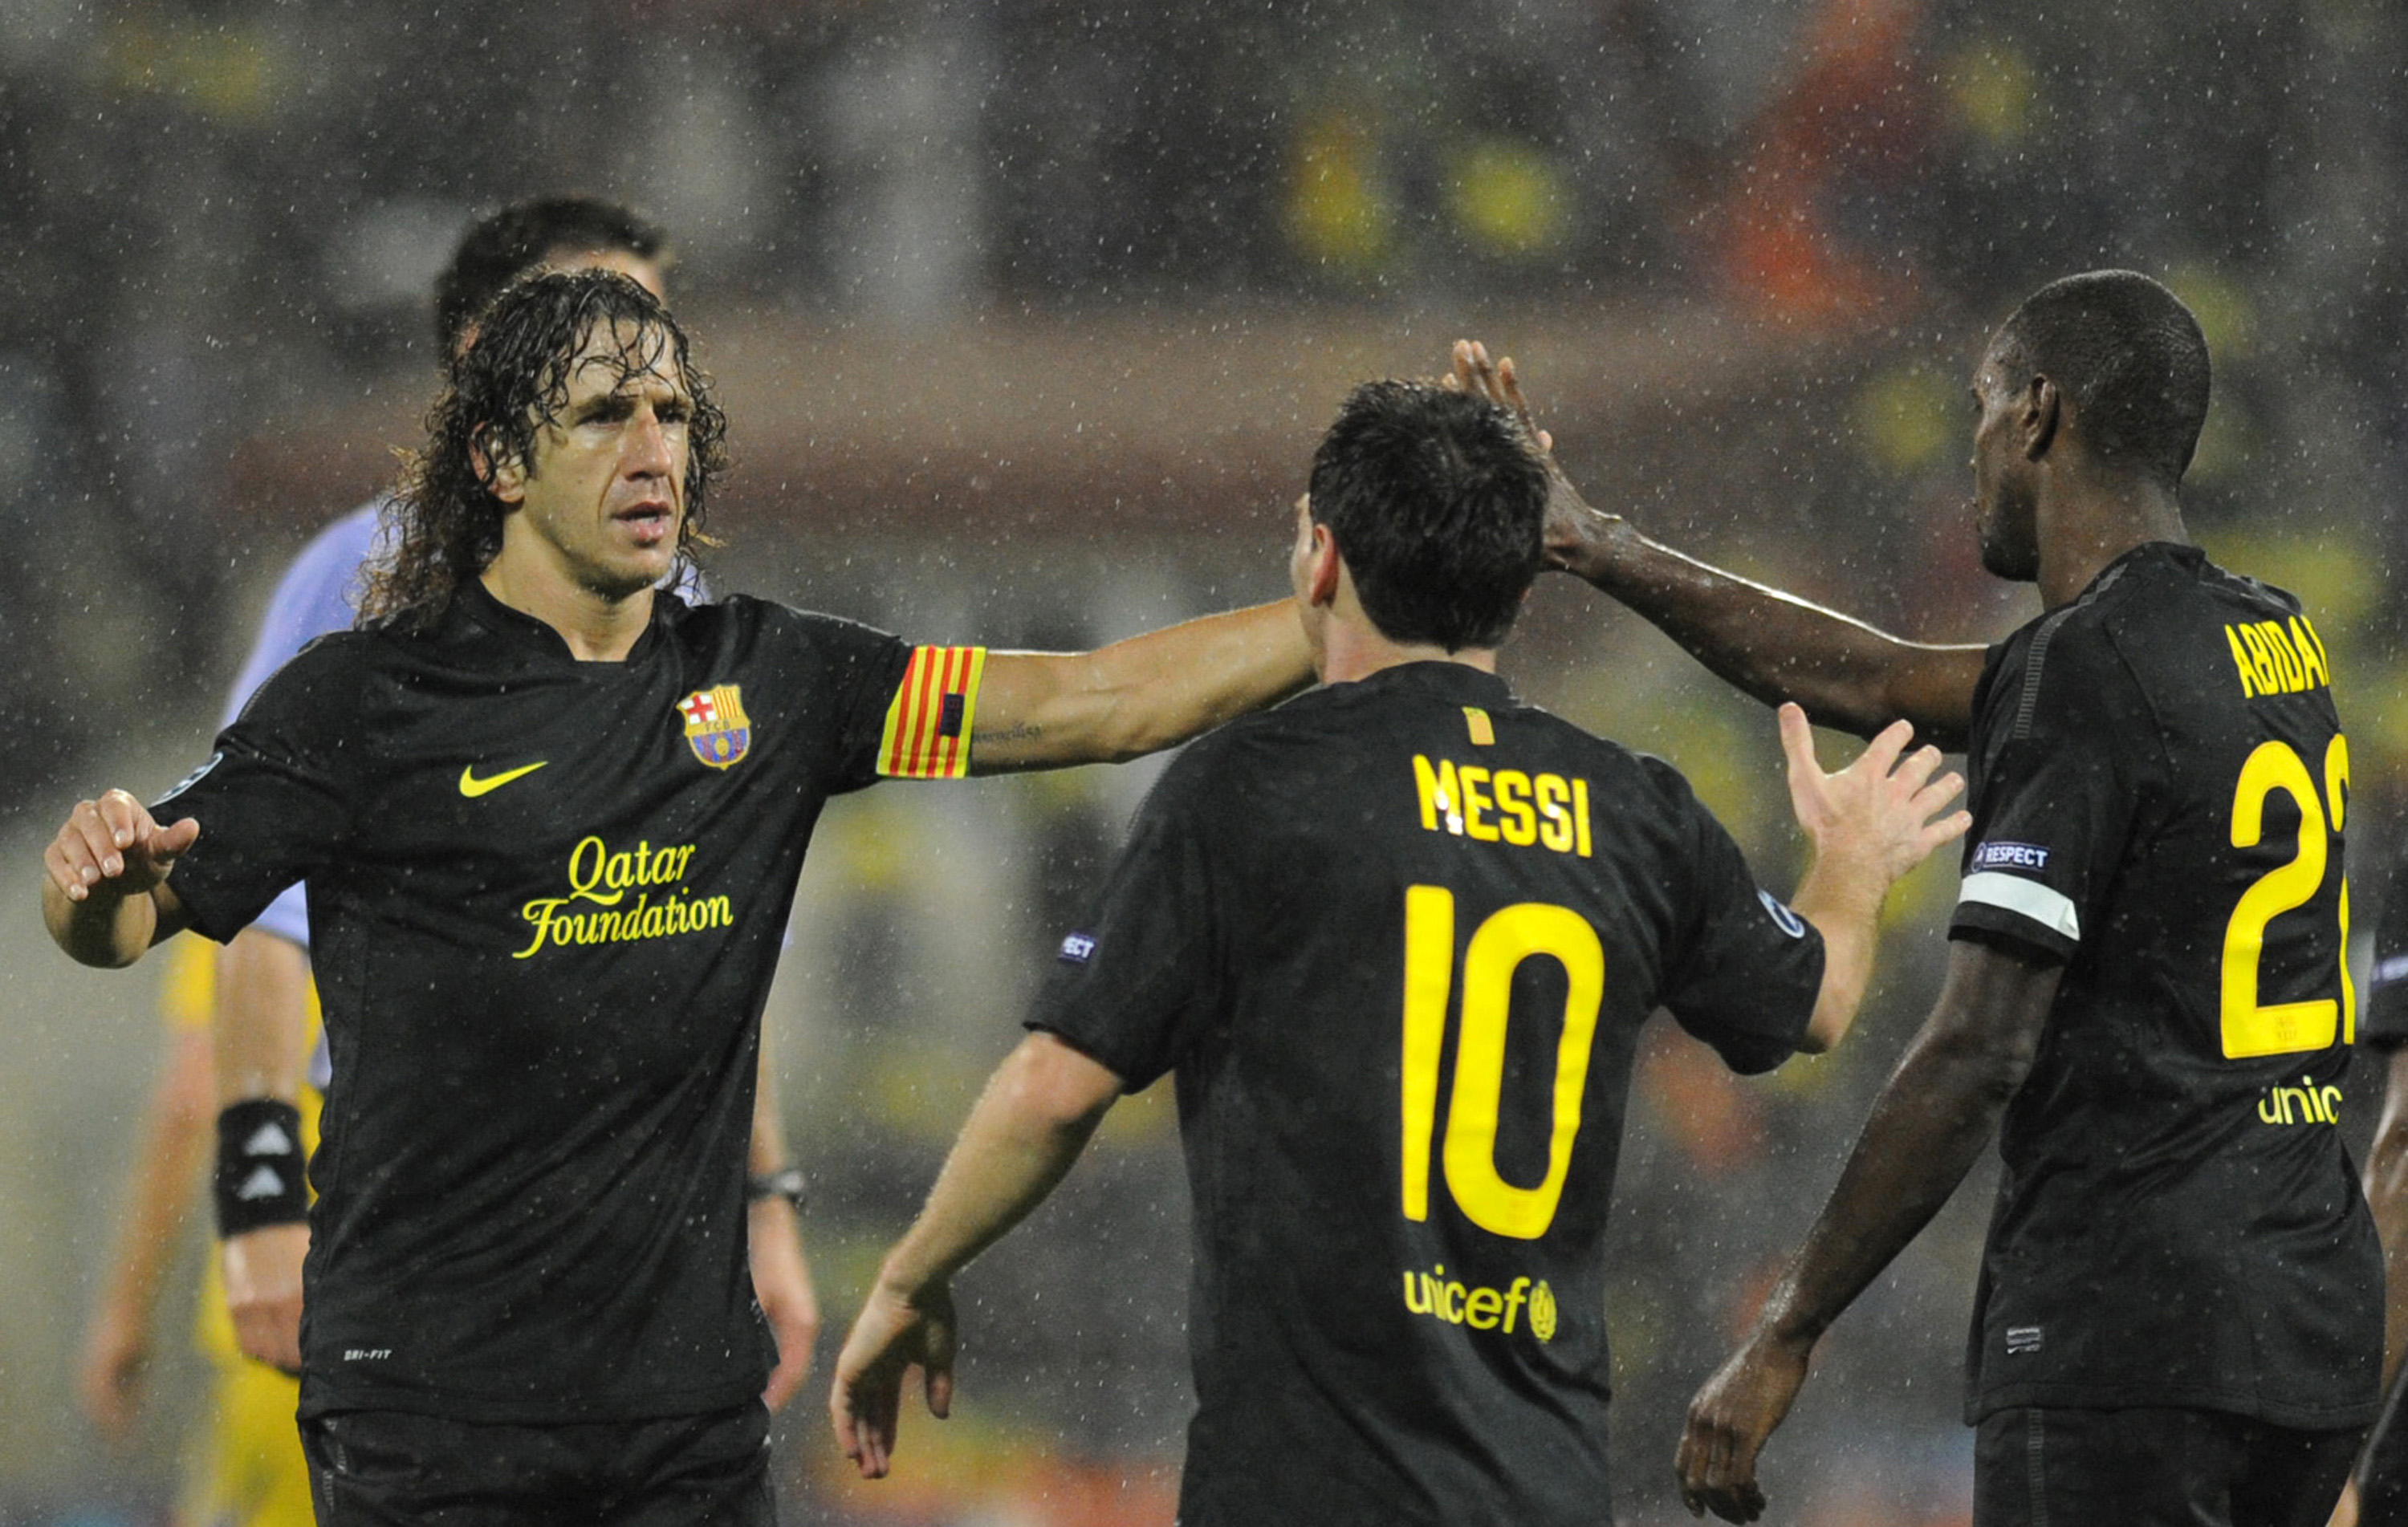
(928, 725)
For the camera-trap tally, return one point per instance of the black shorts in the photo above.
(2143, 1468)
(387, 1468)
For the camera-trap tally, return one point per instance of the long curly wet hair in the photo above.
(443, 524)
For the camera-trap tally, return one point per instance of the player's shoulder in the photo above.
(327, 684)
(1236, 752)
(1570, 735)
(750, 614)
(1646, 770)
(1299, 730)
(2160, 595)
(2164, 640)
(1530, 736)
(754, 633)
(399, 646)
(354, 650)
(2176, 621)
(1266, 765)
(1646, 794)
(1470, 719)
(2138, 608)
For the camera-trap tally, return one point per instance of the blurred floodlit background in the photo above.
(1027, 314)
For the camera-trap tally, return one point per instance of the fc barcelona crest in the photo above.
(716, 727)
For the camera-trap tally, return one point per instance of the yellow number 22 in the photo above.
(2249, 1028)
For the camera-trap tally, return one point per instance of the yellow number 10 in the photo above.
(1498, 948)
(2250, 1029)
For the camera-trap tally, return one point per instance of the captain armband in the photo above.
(928, 734)
(260, 1179)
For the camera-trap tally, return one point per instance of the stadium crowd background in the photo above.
(1027, 313)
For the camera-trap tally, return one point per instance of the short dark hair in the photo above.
(1435, 502)
(443, 524)
(2130, 357)
(498, 249)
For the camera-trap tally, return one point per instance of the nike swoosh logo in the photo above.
(473, 787)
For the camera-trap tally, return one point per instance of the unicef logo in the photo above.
(1481, 1308)
(1543, 1313)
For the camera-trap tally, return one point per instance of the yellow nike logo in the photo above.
(473, 787)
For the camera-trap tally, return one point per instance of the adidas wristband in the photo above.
(259, 1176)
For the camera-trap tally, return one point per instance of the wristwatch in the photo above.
(787, 1183)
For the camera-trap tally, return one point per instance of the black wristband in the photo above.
(259, 1178)
(787, 1183)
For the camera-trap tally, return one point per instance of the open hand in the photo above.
(1882, 809)
(893, 1334)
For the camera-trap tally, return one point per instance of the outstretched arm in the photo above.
(1036, 1116)
(1041, 710)
(1930, 1123)
(1769, 642)
(105, 896)
(1772, 643)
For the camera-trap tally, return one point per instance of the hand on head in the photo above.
(1572, 524)
(1500, 383)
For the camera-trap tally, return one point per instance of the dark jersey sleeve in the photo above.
(2385, 1023)
(859, 672)
(1747, 969)
(1136, 984)
(2054, 792)
(270, 799)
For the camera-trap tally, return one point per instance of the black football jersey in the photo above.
(1397, 939)
(547, 898)
(2160, 790)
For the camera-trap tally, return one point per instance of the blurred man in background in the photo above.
(2179, 1317)
(242, 1461)
(551, 817)
(265, 1041)
(1408, 830)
